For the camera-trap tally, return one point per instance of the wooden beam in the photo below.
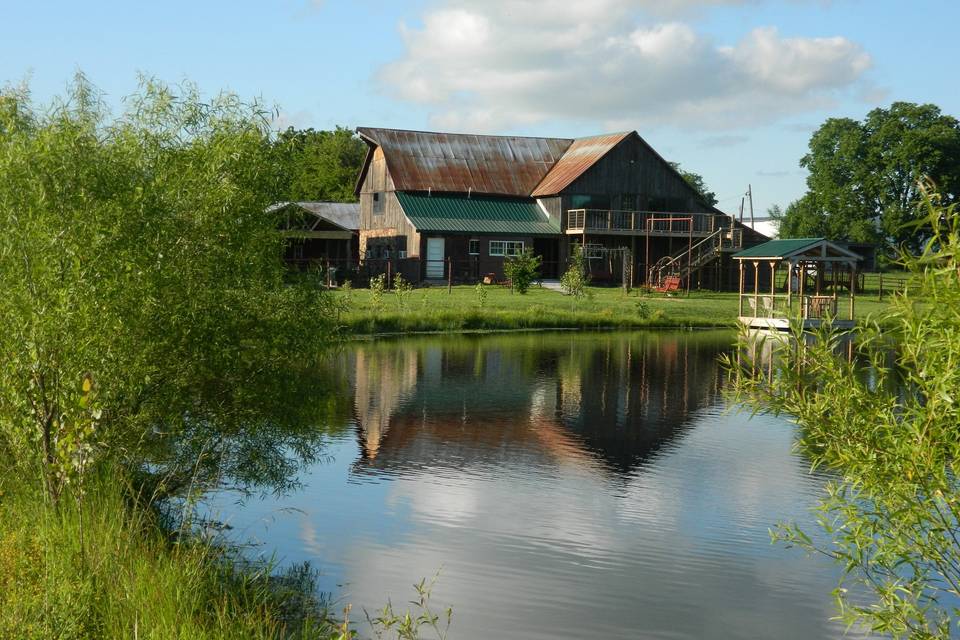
(740, 297)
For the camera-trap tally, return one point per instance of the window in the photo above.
(474, 249)
(296, 250)
(378, 202)
(590, 202)
(506, 248)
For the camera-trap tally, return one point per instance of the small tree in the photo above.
(378, 285)
(891, 437)
(402, 288)
(138, 272)
(575, 280)
(522, 269)
(481, 294)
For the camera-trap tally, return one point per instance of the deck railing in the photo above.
(640, 222)
(782, 305)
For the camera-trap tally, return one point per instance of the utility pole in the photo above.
(741, 209)
(750, 195)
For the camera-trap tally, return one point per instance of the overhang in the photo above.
(476, 214)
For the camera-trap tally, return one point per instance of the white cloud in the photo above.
(501, 64)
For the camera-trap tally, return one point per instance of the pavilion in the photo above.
(796, 279)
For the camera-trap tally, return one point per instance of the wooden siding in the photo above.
(392, 222)
(633, 168)
(554, 207)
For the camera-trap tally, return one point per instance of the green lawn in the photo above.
(434, 309)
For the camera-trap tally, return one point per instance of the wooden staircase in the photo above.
(688, 261)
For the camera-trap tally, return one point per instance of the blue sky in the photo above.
(729, 88)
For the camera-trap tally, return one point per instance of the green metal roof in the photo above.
(778, 248)
(476, 214)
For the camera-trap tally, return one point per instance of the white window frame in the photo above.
(506, 248)
(471, 244)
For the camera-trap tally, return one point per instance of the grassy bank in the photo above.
(462, 309)
(107, 569)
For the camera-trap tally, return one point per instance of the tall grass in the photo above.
(103, 567)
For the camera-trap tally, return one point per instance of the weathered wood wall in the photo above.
(634, 168)
(392, 222)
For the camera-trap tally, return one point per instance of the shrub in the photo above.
(891, 439)
(481, 294)
(522, 269)
(378, 285)
(575, 280)
(402, 288)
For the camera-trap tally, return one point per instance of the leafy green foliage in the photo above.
(522, 270)
(411, 624)
(481, 294)
(696, 181)
(863, 175)
(378, 285)
(143, 287)
(576, 278)
(402, 289)
(318, 165)
(886, 423)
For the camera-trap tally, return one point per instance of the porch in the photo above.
(642, 223)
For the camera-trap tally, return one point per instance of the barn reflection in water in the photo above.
(607, 404)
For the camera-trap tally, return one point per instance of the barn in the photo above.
(449, 205)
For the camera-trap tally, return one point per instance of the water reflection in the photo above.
(570, 485)
(608, 402)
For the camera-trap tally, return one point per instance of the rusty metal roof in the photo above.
(454, 162)
(580, 156)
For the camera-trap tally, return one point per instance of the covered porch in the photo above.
(808, 280)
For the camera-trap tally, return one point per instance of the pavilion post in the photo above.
(773, 284)
(853, 277)
(790, 267)
(740, 297)
(756, 286)
(803, 282)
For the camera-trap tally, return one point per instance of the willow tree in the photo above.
(138, 271)
(887, 424)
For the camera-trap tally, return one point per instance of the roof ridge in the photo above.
(473, 135)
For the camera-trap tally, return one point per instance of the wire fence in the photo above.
(457, 271)
(867, 283)
(417, 271)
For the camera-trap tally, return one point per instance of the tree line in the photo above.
(863, 177)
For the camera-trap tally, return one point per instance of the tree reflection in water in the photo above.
(253, 429)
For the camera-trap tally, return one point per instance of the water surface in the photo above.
(568, 485)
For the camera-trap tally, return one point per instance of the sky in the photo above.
(730, 89)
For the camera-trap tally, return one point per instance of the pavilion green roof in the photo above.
(778, 248)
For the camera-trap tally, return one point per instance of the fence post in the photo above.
(880, 297)
(389, 272)
(449, 275)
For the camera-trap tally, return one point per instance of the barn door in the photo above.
(435, 248)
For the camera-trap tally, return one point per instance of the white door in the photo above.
(435, 265)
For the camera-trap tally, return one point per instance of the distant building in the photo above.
(767, 226)
(319, 232)
(464, 203)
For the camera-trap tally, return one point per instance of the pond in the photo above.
(565, 485)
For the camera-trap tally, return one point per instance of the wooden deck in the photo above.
(640, 223)
(783, 324)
